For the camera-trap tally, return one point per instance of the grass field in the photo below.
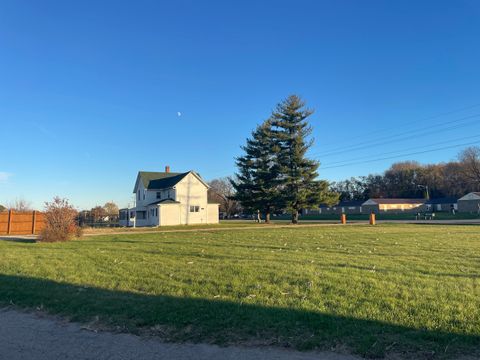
(412, 290)
(224, 224)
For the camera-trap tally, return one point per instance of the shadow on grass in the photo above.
(222, 322)
(20, 239)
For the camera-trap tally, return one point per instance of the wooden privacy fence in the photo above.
(21, 223)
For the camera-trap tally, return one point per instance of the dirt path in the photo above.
(28, 336)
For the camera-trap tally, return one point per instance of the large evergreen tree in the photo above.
(300, 186)
(258, 178)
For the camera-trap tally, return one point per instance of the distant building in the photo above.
(392, 205)
(343, 207)
(446, 204)
(470, 203)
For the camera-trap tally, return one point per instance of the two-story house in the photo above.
(167, 198)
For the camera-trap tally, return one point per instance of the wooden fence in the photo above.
(21, 223)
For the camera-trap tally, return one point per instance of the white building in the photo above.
(469, 203)
(166, 198)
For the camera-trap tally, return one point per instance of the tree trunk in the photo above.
(267, 217)
(295, 217)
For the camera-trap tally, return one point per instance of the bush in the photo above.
(60, 221)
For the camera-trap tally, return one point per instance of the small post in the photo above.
(343, 219)
(372, 218)
(10, 217)
(34, 221)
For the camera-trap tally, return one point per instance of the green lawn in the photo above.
(224, 224)
(403, 289)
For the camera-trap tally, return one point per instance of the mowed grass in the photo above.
(224, 224)
(391, 289)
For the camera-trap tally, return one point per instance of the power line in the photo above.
(368, 144)
(414, 122)
(397, 151)
(398, 156)
(408, 136)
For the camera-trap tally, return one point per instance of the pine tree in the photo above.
(258, 177)
(293, 134)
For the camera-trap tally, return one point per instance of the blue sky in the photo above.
(90, 90)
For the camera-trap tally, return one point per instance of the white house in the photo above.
(167, 198)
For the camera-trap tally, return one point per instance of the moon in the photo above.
(179, 113)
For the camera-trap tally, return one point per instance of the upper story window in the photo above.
(159, 195)
(144, 193)
(138, 195)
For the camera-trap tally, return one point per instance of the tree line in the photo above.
(411, 179)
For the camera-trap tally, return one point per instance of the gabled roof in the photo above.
(165, 201)
(158, 180)
(471, 196)
(396, 201)
(163, 180)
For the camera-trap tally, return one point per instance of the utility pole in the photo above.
(427, 191)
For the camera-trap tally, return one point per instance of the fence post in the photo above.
(372, 218)
(34, 221)
(9, 226)
(343, 219)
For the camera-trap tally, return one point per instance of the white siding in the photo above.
(139, 195)
(169, 214)
(212, 213)
(190, 191)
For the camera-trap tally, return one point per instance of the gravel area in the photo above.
(32, 336)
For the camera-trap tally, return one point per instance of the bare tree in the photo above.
(222, 191)
(20, 205)
(98, 213)
(470, 163)
(111, 209)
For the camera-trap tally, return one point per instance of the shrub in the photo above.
(60, 221)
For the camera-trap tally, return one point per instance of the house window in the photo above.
(138, 194)
(194, 208)
(156, 211)
(144, 192)
(159, 195)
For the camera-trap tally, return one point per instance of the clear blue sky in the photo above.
(90, 90)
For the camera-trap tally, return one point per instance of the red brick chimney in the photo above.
(167, 169)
